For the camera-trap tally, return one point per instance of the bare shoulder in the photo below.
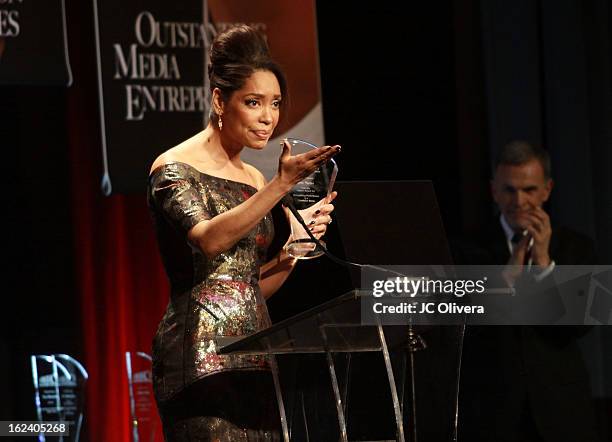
(166, 157)
(256, 174)
(159, 161)
(178, 153)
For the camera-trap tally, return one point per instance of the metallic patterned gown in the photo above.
(197, 390)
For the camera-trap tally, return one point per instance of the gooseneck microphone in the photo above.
(287, 201)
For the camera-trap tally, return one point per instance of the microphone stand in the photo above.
(287, 201)
(415, 341)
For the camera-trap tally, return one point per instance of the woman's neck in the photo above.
(210, 153)
(218, 149)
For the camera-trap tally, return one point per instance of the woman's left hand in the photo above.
(317, 216)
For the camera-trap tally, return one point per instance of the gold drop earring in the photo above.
(220, 123)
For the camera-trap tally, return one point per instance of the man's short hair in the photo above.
(520, 152)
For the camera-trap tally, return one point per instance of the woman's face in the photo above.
(252, 112)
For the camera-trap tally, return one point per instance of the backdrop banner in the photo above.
(151, 83)
(33, 45)
(152, 64)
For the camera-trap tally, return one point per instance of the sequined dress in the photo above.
(202, 395)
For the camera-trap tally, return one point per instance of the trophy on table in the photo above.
(143, 412)
(305, 194)
(59, 393)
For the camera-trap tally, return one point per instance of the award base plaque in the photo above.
(304, 248)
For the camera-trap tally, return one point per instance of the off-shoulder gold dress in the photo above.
(203, 396)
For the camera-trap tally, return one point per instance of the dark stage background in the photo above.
(425, 91)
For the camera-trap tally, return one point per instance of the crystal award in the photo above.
(59, 393)
(143, 412)
(307, 193)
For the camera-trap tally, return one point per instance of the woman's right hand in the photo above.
(293, 169)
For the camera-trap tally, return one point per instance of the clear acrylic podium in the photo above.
(373, 382)
(421, 366)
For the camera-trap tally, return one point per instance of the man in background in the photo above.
(525, 383)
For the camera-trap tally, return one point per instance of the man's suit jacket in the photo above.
(512, 372)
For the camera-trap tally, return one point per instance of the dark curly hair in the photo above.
(235, 55)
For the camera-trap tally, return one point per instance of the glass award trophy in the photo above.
(144, 418)
(306, 194)
(59, 393)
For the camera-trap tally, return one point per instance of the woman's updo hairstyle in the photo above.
(234, 56)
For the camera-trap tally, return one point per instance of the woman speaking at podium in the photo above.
(213, 226)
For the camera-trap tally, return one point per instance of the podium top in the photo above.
(332, 326)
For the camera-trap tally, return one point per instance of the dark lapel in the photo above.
(495, 242)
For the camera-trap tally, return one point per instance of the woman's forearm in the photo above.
(275, 272)
(220, 233)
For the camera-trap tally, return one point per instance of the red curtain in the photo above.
(123, 291)
(120, 278)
